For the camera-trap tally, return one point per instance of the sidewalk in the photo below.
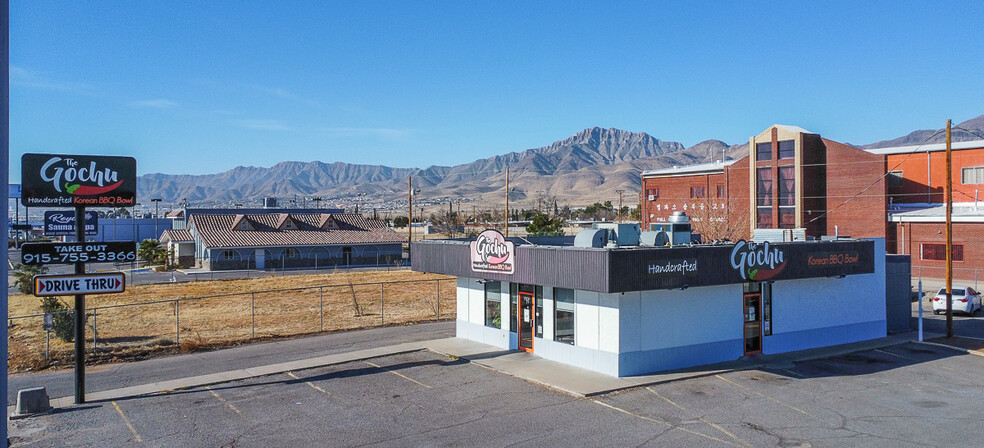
(572, 380)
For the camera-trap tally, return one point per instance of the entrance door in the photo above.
(526, 324)
(753, 323)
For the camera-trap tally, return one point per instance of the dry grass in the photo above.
(242, 311)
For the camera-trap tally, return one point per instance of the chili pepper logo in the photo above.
(85, 190)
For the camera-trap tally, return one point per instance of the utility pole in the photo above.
(409, 213)
(620, 204)
(507, 203)
(949, 236)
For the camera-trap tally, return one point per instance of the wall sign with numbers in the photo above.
(68, 253)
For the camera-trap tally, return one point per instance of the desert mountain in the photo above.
(587, 167)
(972, 129)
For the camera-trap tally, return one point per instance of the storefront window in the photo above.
(538, 312)
(513, 307)
(493, 304)
(767, 309)
(564, 315)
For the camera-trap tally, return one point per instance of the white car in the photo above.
(965, 300)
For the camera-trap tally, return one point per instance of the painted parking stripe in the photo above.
(397, 374)
(893, 354)
(127, 421)
(661, 422)
(702, 419)
(768, 398)
(223, 400)
(291, 374)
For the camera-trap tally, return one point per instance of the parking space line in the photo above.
(397, 374)
(223, 400)
(661, 422)
(291, 374)
(702, 419)
(893, 354)
(127, 421)
(768, 398)
(799, 375)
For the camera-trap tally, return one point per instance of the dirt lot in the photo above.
(153, 320)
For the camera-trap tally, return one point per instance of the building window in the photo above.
(894, 178)
(652, 194)
(766, 309)
(228, 255)
(564, 315)
(764, 184)
(697, 192)
(763, 218)
(972, 175)
(937, 252)
(787, 149)
(493, 304)
(763, 197)
(722, 192)
(538, 312)
(787, 185)
(763, 151)
(514, 307)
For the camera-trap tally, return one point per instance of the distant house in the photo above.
(180, 245)
(291, 240)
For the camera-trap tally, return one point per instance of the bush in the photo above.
(63, 318)
(24, 277)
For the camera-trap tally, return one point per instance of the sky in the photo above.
(197, 87)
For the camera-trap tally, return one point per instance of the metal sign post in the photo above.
(80, 315)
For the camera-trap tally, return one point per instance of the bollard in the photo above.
(30, 402)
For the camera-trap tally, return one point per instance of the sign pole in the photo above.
(80, 314)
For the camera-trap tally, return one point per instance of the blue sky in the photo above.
(202, 87)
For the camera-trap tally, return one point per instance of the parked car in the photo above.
(965, 300)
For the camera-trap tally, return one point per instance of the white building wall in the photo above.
(818, 312)
(471, 305)
(586, 319)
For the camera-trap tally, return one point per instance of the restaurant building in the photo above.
(623, 303)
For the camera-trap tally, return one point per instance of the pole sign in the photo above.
(70, 285)
(58, 223)
(68, 253)
(58, 180)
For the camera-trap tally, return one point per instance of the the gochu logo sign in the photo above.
(757, 262)
(490, 252)
(58, 180)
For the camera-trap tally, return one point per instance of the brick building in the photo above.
(793, 178)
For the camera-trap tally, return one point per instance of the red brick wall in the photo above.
(911, 234)
(674, 195)
(917, 172)
(856, 201)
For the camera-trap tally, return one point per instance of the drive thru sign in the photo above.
(70, 285)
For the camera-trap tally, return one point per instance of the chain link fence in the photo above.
(138, 330)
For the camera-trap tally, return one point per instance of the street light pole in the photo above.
(507, 203)
(620, 204)
(157, 209)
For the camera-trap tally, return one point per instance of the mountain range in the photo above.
(588, 167)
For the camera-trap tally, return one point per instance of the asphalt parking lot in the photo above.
(904, 395)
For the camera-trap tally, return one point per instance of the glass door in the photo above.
(526, 324)
(753, 323)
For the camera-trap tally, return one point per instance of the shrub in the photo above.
(63, 318)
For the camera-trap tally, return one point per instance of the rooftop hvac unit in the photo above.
(620, 234)
(778, 235)
(678, 230)
(591, 238)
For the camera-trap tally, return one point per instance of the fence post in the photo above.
(95, 329)
(177, 323)
(321, 306)
(438, 282)
(252, 317)
(381, 308)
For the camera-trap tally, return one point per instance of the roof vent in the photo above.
(591, 238)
